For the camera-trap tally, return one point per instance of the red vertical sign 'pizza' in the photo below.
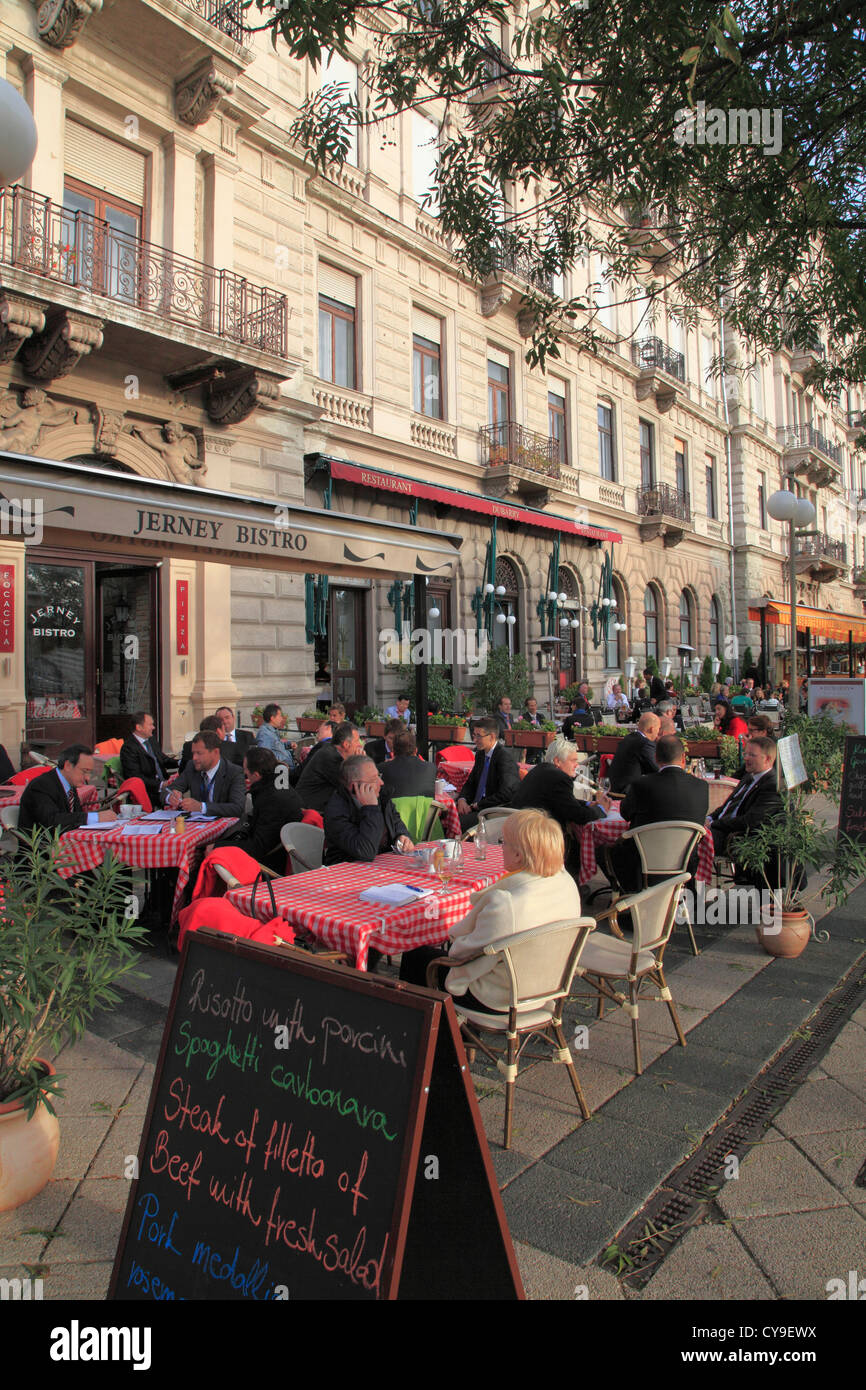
(7, 608)
(182, 617)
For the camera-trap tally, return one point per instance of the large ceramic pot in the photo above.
(28, 1150)
(788, 940)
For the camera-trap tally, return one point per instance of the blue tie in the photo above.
(482, 785)
(208, 787)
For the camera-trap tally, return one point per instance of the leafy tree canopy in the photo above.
(739, 132)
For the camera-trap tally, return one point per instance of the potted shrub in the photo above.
(702, 741)
(62, 946)
(257, 717)
(371, 719)
(309, 721)
(607, 736)
(446, 728)
(505, 675)
(526, 735)
(778, 850)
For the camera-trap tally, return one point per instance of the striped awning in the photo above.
(820, 622)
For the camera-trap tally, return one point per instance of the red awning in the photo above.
(821, 622)
(465, 501)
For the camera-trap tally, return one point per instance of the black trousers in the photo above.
(413, 971)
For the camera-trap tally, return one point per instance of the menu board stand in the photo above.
(852, 802)
(312, 1133)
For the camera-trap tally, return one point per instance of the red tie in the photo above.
(70, 797)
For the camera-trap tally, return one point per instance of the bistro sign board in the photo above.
(146, 514)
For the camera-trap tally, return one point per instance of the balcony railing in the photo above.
(664, 500)
(85, 252)
(822, 548)
(225, 15)
(857, 419)
(653, 354)
(510, 444)
(518, 262)
(807, 437)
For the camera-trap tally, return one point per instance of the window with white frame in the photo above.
(427, 374)
(338, 295)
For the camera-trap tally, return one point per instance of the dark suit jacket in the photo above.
(669, 794)
(762, 802)
(229, 793)
(44, 804)
(6, 768)
(408, 776)
(377, 749)
(634, 757)
(503, 779)
(232, 752)
(134, 762)
(580, 719)
(354, 832)
(548, 788)
(243, 740)
(320, 778)
(505, 721)
(657, 689)
(259, 833)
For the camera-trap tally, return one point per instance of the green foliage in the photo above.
(729, 754)
(63, 944)
(505, 675)
(455, 721)
(724, 671)
(652, 666)
(366, 715)
(748, 659)
(607, 730)
(706, 680)
(822, 744)
(794, 840)
(440, 691)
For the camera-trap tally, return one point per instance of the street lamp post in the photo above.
(798, 512)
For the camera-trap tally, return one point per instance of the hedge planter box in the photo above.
(375, 728)
(703, 748)
(310, 726)
(528, 738)
(447, 733)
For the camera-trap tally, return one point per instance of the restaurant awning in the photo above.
(464, 501)
(821, 622)
(107, 509)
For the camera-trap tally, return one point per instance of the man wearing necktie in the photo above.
(141, 756)
(208, 783)
(493, 780)
(51, 800)
(504, 715)
(753, 800)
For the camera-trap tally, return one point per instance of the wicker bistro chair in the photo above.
(304, 845)
(494, 823)
(538, 990)
(608, 959)
(665, 849)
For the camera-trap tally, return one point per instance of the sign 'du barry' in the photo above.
(312, 1134)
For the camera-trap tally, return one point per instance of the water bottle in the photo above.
(481, 840)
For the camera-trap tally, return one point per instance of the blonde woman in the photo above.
(536, 890)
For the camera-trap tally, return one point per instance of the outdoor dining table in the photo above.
(85, 848)
(325, 902)
(11, 794)
(606, 832)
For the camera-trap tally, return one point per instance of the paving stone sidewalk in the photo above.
(793, 1220)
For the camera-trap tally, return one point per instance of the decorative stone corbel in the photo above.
(66, 338)
(197, 95)
(19, 319)
(493, 296)
(232, 398)
(60, 22)
(108, 425)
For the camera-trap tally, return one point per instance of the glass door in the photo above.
(58, 658)
(348, 648)
(128, 642)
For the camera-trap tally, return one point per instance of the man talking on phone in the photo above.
(361, 820)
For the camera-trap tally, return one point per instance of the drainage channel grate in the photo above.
(685, 1196)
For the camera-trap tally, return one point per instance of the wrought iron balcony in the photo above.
(515, 260)
(821, 554)
(807, 437)
(651, 354)
(664, 500)
(857, 420)
(83, 252)
(225, 15)
(510, 445)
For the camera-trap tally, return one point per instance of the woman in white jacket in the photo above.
(536, 890)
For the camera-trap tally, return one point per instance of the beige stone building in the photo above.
(243, 378)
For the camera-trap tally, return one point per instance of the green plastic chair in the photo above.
(421, 817)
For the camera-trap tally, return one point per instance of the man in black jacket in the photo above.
(141, 755)
(241, 739)
(381, 750)
(273, 807)
(321, 777)
(550, 787)
(407, 774)
(360, 818)
(51, 802)
(669, 794)
(755, 798)
(635, 755)
(208, 783)
(230, 751)
(494, 777)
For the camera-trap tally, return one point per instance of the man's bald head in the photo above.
(649, 725)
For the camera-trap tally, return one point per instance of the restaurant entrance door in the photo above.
(92, 644)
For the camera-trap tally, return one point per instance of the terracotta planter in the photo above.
(310, 726)
(375, 728)
(788, 941)
(532, 738)
(28, 1150)
(447, 733)
(606, 743)
(703, 748)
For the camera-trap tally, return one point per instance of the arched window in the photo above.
(506, 634)
(651, 618)
(686, 624)
(715, 626)
(568, 651)
(614, 647)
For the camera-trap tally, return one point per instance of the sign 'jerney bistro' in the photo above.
(276, 537)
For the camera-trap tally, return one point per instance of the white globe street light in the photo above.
(785, 506)
(18, 145)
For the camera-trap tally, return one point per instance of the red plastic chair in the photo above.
(135, 790)
(455, 753)
(21, 779)
(604, 762)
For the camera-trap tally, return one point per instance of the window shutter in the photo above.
(502, 359)
(337, 284)
(104, 163)
(427, 326)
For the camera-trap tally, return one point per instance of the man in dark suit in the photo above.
(550, 787)
(273, 807)
(141, 756)
(494, 777)
(381, 750)
(50, 801)
(669, 794)
(407, 774)
(581, 717)
(504, 714)
(635, 755)
(360, 818)
(321, 775)
(755, 798)
(208, 783)
(241, 739)
(657, 689)
(230, 751)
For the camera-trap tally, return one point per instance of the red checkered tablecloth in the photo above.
(607, 832)
(84, 849)
(10, 795)
(326, 903)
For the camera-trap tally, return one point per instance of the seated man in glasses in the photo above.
(360, 818)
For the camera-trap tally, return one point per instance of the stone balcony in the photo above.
(662, 372)
(808, 454)
(663, 513)
(821, 557)
(519, 462)
(512, 270)
(73, 284)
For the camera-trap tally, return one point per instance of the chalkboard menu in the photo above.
(312, 1133)
(852, 807)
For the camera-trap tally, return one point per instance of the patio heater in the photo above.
(548, 647)
(684, 651)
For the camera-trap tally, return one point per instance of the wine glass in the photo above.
(443, 870)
